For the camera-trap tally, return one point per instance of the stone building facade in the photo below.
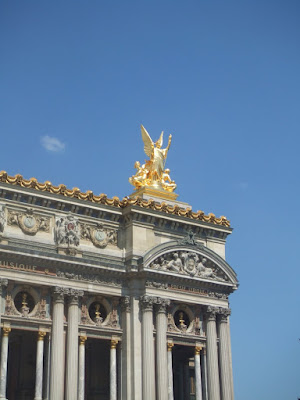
(109, 299)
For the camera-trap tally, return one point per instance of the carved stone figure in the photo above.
(67, 231)
(2, 218)
(189, 263)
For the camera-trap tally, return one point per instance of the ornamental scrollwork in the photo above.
(188, 263)
(67, 231)
(28, 222)
(98, 235)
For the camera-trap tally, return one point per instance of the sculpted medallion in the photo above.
(28, 221)
(99, 235)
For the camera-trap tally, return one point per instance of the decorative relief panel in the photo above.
(189, 263)
(100, 312)
(26, 303)
(184, 320)
(28, 222)
(2, 218)
(99, 235)
(94, 278)
(67, 231)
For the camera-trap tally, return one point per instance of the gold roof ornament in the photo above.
(152, 178)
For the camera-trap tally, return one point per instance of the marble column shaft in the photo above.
(212, 355)
(81, 368)
(198, 382)
(3, 366)
(126, 348)
(148, 348)
(225, 366)
(57, 346)
(170, 373)
(204, 374)
(72, 345)
(113, 370)
(3, 283)
(161, 349)
(39, 366)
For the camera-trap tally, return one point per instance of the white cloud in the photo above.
(52, 144)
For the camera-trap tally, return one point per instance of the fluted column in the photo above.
(148, 348)
(204, 374)
(170, 372)
(46, 380)
(3, 367)
(225, 366)
(113, 370)
(3, 284)
(39, 365)
(212, 355)
(81, 367)
(72, 345)
(57, 346)
(198, 373)
(161, 349)
(126, 348)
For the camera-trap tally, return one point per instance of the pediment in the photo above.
(189, 261)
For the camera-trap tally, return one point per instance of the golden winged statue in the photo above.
(153, 173)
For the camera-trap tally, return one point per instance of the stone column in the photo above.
(46, 380)
(126, 348)
(212, 355)
(3, 366)
(198, 373)
(113, 370)
(57, 345)
(39, 366)
(81, 372)
(204, 374)
(225, 367)
(72, 345)
(170, 372)
(3, 284)
(148, 348)
(161, 349)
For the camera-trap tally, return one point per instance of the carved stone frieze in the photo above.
(2, 218)
(28, 222)
(99, 235)
(218, 295)
(156, 285)
(67, 231)
(95, 278)
(189, 263)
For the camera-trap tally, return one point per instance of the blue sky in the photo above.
(77, 78)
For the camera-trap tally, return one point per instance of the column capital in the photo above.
(162, 304)
(197, 350)
(211, 313)
(74, 295)
(3, 283)
(170, 346)
(114, 343)
(41, 335)
(6, 330)
(82, 340)
(224, 314)
(147, 302)
(59, 293)
(125, 303)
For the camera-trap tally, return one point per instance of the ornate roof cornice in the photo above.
(62, 190)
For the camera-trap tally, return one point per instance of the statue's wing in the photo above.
(160, 140)
(148, 144)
